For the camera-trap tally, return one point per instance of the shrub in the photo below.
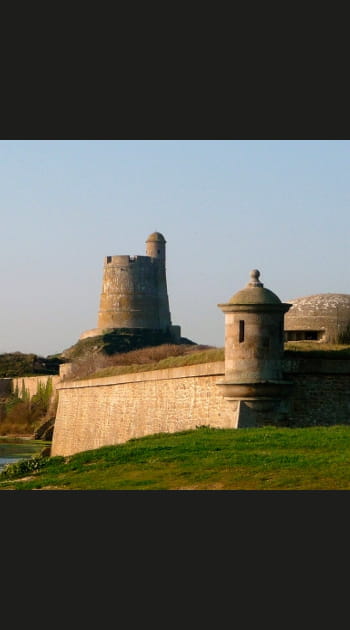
(14, 428)
(24, 466)
(14, 364)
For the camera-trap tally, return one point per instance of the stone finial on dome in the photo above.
(254, 279)
(253, 294)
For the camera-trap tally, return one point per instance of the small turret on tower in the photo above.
(155, 246)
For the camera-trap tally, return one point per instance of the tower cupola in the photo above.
(155, 246)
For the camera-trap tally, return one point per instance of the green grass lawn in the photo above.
(266, 458)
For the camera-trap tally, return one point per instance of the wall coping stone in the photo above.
(215, 368)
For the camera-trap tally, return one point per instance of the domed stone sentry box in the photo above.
(254, 346)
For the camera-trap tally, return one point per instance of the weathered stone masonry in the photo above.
(320, 392)
(112, 410)
(134, 292)
(31, 383)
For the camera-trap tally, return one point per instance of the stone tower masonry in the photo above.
(134, 292)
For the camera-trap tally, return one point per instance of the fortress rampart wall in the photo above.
(111, 410)
(30, 383)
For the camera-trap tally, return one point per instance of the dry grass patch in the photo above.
(169, 355)
(152, 358)
(317, 349)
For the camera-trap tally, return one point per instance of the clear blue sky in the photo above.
(224, 207)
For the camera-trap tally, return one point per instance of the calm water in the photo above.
(13, 451)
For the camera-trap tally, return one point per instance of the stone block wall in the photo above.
(320, 392)
(111, 410)
(30, 383)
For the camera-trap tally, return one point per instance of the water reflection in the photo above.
(13, 450)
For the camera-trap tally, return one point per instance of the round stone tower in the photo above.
(134, 291)
(254, 345)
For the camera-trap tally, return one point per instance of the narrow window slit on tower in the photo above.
(109, 259)
(241, 331)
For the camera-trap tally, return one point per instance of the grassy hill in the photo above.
(125, 351)
(124, 340)
(120, 340)
(167, 355)
(266, 458)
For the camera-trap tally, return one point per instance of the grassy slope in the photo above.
(119, 341)
(266, 458)
(314, 350)
(205, 356)
(17, 364)
(124, 363)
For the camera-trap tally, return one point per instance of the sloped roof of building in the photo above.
(320, 302)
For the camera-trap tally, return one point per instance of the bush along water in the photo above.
(23, 467)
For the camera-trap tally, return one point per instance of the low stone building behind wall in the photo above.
(323, 317)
